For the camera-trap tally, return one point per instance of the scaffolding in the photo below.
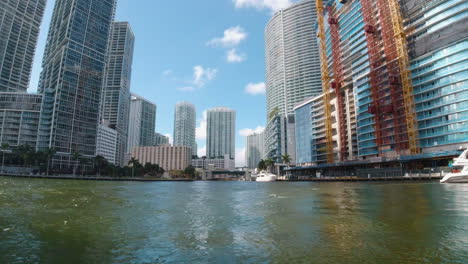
(325, 82)
(338, 80)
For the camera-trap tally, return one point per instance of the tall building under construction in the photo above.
(406, 64)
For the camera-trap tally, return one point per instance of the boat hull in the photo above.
(266, 179)
(455, 178)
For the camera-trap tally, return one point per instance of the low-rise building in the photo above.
(19, 118)
(166, 156)
(225, 164)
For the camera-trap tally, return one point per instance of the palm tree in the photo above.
(269, 163)
(50, 152)
(4, 147)
(76, 157)
(286, 159)
(261, 166)
(99, 161)
(133, 163)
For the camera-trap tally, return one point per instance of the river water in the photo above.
(65, 221)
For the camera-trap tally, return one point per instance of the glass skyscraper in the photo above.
(116, 93)
(20, 22)
(72, 76)
(254, 150)
(221, 133)
(142, 123)
(184, 126)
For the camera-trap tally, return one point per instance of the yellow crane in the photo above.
(325, 82)
(404, 66)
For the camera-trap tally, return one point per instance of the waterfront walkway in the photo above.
(93, 178)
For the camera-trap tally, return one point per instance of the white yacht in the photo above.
(462, 175)
(266, 177)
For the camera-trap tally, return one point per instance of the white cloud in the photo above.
(167, 72)
(233, 36)
(232, 56)
(248, 131)
(201, 151)
(202, 76)
(171, 140)
(240, 157)
(186, 89)
(201, 128)
(255, 88)
(273, 5)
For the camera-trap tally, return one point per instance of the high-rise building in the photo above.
(72, 77)
(142, 123)
(116, 93)
(398, 90)
(254, 150)
(19, 118)
(292, 58)
(20, 22)
(184, 126)
(407, 64)
(292, 73)
(160, 139)
(221, 133)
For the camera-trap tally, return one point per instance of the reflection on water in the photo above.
(48, 221)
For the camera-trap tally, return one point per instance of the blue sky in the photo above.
(206, 52)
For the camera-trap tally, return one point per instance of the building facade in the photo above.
(406, 63)
(107, 143)
(72, 77)
(221, 133)
(166, 156)
(311, 132)
(184, 126)
(225, 163)
(19, 118)
(254, 150)
(160, 139)
(142, 123)
(20, 22)
(292, 72)
(116, 93)
(292, 58)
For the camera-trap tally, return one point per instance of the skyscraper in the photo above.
(292, 73)
(20, 21)
(292, 58)
(142, 123)
(184, 126)
(254, 150)
(72, 76)
(221, 135)
(116, 93)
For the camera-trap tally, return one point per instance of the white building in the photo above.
(107, 143)
(167, 157)
(184, 126)
(254, 150)
(221, 133)
(225, 163)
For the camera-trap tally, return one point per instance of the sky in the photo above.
(208, 52)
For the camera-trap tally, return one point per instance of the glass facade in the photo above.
(184, 126)
(221, 133)
(20, 22)
(72, 76)
(303, 133)
(116, 94)
(142, 123)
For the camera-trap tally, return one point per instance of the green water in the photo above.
(55, 221)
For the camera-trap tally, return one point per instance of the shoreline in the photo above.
(329, 179)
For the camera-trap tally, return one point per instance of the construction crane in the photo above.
(338, 79)
(405, 74)
(325, 82)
